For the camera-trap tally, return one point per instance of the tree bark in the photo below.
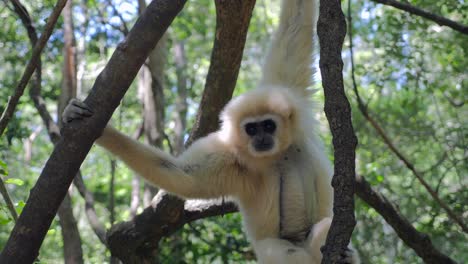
(181, 99)
(72, 251)
(145, 231)
(226, 56)
(78, 137)
(331, 29)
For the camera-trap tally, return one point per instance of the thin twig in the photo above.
(362, 107)
(416, 240)
(122, 20)
(6, 197)
(53, 129)
(425, 14)
(32, 64)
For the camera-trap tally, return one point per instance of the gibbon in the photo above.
(265, 156)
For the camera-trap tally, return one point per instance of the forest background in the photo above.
(407, 84)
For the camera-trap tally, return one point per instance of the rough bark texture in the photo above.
(109, 88)
(331, 29)
(419, 242)
(233, 19)
(136, 241)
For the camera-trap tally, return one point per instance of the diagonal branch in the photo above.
(425, 14)
(144, 232)
(419, 242)
(231, 32)
(110, 86)
(53, 129)
(8, 202)
(93, 219)
(363, 108)
(31, 66)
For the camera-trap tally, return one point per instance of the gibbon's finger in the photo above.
(349, 256)
(72, 112)
(80, 104)
(70, 117)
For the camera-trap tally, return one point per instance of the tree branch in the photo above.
(363, 109)
(31, 66)
(231, 32)
(425, 14)
(331, 30)
(93, 219)
(53, 129)
(8, 202)
(419, 242)
(167, 214)
(77, 139)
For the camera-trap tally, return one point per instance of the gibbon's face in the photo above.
(262, 134)
(260, 123)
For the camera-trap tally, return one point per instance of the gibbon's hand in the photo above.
(349, 256)
(75, 110)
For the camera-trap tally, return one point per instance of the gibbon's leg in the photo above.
(317, 238)
(280, 251)
(197, 178)
(322, 173)
(289, 59)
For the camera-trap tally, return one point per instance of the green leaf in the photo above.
(15, 181)
(19, 207)
(51, 232)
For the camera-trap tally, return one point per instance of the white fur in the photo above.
(224, 163)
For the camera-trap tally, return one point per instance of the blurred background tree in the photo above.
(411, 75)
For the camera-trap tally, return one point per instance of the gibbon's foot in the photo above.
(349, 256)
(75, 110)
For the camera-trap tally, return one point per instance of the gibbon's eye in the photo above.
(269, 126)
(251, 129)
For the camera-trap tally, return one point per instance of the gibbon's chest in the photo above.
(281, 205)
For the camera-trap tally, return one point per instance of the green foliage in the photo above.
(411, 74)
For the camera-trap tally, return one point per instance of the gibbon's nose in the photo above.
(263, 143)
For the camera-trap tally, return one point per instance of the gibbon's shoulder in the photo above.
(211, 147)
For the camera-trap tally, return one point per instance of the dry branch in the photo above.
(31, 66)
(419, 242)
(425, 14)
(365, 112)
(168, 214)
(53, 129)
(109, 88)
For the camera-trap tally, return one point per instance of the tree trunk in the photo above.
(78, 137)
(331, 29)
(181, 99)
(72, 251)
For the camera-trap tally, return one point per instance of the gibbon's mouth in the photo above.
(263, 144)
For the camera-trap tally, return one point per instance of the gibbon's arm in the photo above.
(289, 59)
(197, 176)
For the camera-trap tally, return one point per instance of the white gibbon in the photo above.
(265, 156)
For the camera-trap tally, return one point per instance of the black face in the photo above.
(261, 134)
